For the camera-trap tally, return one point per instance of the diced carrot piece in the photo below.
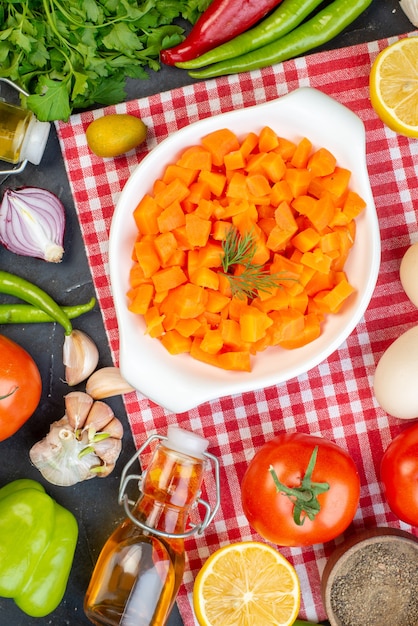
(199, 191)
(178, 257)
(212, 341)
(298, 181)
(310, 332)
(237, 186)
(187, 327)
(274, 167)
(337, 182)
(279, 238)
(258, 185)
(186, 301)
(353, 205)
(197, 230)
(165, 245)
(168, 278)
(336, 297)
(142, 299)
(211, 255)
(286, 148)
(205, 277)
(154, 322)
(302, 153)
(176, 343)
(317, 260)
(176, 191)
(196, 157)
(220, 229)
(281, 192)
(268, 139)
(216, 301)
(306, 239)
(231, 334)
(219, 143)
(304, 204)
(255, 163)
(284, 217)
(147, 257)
(146, 214)
(137, 276)
(323, 212)
(322, 162)
(237, 361)
(253, 324)
(171, 217)
(234, 160)
(248, 144)
(215, 181)
(185, 174)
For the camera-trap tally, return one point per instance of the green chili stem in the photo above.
(304, 497)
(16, 313)
(25, 290)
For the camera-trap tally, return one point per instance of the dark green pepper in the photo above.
(37, 544)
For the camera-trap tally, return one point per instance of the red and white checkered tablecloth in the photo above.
(335, 399)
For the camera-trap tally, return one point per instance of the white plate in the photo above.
(179, 383)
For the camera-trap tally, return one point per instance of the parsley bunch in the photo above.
(71, 54)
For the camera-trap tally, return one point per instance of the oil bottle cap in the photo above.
(34, 143)
(186, 441)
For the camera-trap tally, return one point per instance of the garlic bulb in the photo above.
(80, 357)
(107, 382)
(85, 443)
(410, 8)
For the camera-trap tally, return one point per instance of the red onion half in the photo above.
(32, 223)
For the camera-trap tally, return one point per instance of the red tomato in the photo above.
(271, 513)
(20, 387)
(399, 474)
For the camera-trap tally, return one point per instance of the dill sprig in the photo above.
(239, 250)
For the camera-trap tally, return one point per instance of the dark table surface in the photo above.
(94, 502)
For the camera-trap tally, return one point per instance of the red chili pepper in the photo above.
(222, 20)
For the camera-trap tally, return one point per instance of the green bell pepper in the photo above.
(37, 544)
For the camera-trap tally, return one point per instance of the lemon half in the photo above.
(394, 86)
(246, 584)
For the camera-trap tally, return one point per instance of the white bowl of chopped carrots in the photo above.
(244, 250)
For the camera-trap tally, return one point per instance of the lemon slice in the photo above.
(394, 86)
(246, 583)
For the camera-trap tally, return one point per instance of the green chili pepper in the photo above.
(321, 28)
(21, 288)
(285, 18)
(16, 313)
(37, 542)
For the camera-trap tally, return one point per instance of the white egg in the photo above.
(408, 273)
(396, 377)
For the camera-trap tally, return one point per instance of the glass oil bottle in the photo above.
(22, 136)
(140, 568)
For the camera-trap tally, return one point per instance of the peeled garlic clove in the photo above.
(80, 356)
(77, 408)
(107, 382)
